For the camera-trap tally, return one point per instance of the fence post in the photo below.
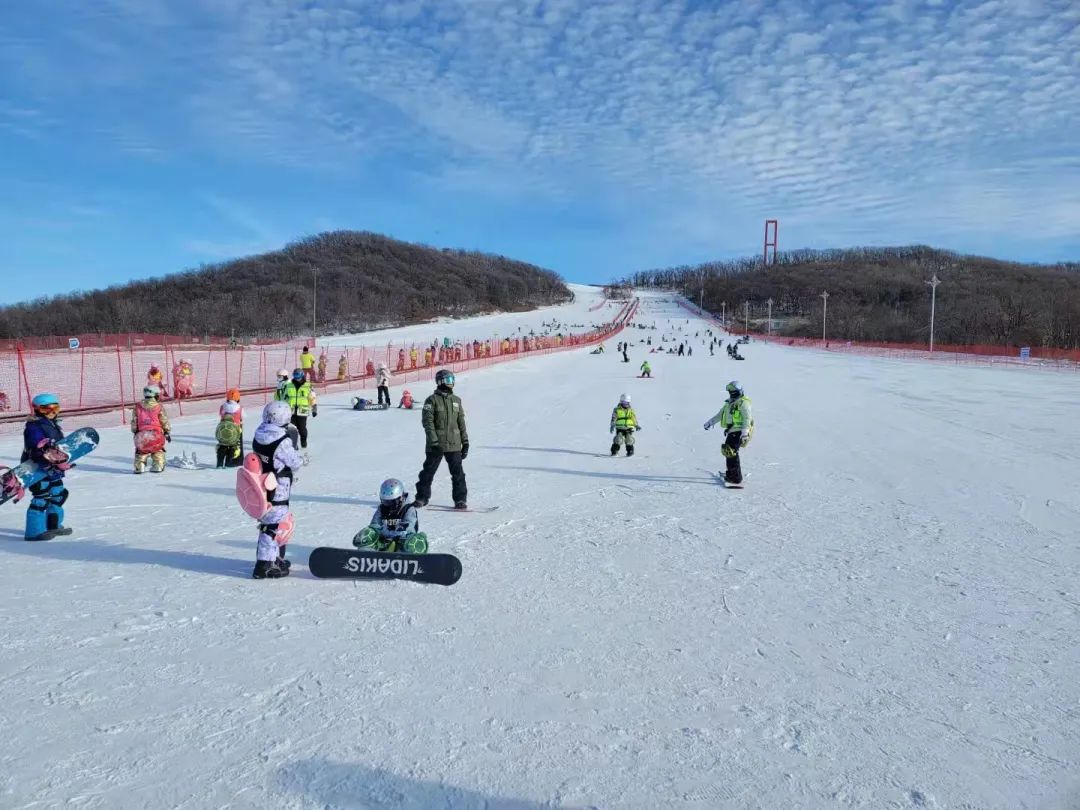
(26, 381)
(120, 379)
(82, 374)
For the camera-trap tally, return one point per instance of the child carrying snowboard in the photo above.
(395, 524)
(45, 517)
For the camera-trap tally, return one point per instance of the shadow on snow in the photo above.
(337, 784)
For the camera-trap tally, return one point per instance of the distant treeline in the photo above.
(881, 294)
(365, 280)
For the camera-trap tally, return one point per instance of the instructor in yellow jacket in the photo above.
(738, 424)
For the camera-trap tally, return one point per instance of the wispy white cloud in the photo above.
(845, 117)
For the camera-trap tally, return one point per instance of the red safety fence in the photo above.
(961, 354)
(92, 380)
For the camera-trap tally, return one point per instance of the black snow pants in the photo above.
(457, 475)
(301, 427)
(734, 467)
(384, 395)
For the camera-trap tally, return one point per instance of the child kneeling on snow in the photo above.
(406, 400)
(395, 525)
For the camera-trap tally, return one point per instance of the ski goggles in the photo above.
(51, 411)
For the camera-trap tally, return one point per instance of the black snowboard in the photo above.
(342, 563)
(438, 507)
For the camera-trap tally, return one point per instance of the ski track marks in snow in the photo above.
(885, 617)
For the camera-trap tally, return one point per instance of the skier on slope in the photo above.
(395, 525)
(277, 454)
(444, 428)
(623, 424)
(738, 423)
(406, 400)
(646, 369)
(150, 429)
(45, 517)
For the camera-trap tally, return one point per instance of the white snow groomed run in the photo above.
(886, 617)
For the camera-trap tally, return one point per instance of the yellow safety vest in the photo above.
(299, 399)
(307, 361)
(624, 418)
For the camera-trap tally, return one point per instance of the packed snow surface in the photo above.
(886, 617)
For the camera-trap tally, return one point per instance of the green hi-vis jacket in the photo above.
(735, 416)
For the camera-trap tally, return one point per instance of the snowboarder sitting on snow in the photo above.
(406, 400)
(623, 424)
(45, 517)
(151, 430)
(230, 436)
(646, 369)
(361, 404)
(738, 424)
(395, 525)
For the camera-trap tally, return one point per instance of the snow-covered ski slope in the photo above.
(886, 617)
(579, 313)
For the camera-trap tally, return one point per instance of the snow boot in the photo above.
(629, 450)
(614, 449)
(420, 503)
(283, 563)
(461, 505)
(268, 570)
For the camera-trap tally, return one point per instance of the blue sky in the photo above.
(142, 137)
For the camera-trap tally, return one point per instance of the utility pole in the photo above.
(770, 317)
(314, 297)
(824, 313)
(933, 304)
(746, 317)
(723, 314)
(701, 296)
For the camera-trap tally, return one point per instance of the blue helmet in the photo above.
(444, 376)
(45, 399)
(298, 374)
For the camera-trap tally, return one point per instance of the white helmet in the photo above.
(283, 374)
(230, 407)
(624, 399)
(277, 413)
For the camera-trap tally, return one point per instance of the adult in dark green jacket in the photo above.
(444, 426)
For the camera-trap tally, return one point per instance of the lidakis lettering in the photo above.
(397, 566)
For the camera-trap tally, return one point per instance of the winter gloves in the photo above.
(464, 451)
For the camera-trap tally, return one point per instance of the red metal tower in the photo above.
(771, 238)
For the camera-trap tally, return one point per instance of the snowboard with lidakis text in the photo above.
(340, 563)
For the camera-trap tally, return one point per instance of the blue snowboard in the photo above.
(14, 481)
